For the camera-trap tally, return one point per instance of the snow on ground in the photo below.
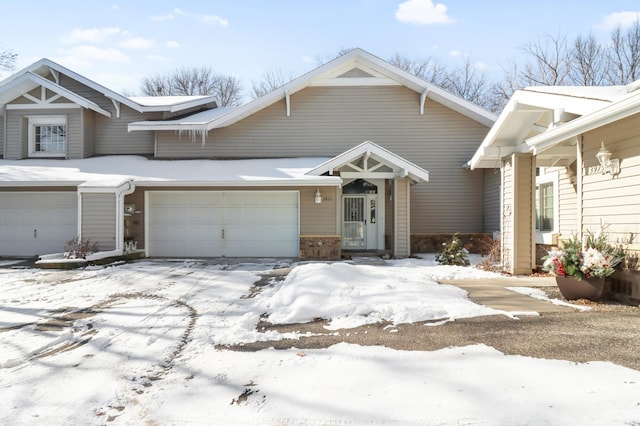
(136, 343)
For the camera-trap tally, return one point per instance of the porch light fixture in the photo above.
(318, 198)
(609, 165)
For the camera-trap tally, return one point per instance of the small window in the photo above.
(48, 136)
(544, 207)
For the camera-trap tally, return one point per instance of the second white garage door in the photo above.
(222, 223)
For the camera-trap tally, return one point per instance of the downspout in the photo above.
(125, 189)
(579, 174)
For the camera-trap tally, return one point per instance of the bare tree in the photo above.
(194, 82)
(470, 84)
(587, 62)
(624, 55)
(7, 60)
(271, 80)
(428, 69)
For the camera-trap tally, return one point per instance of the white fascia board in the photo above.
(324, 181)
(614, 112)
(43, 183)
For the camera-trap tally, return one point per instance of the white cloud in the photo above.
(161, 18)
(91, 35)
(455, 53)
(180, 12)
(213, 19)
(97, 53)
(422, 12)
(619, 19)
(137, 43)
(158, 58)
(172, 44)
(480, 66)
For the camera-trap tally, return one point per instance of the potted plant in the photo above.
(581, 267)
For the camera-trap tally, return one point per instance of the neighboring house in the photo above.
(546, 143)
(355, 155)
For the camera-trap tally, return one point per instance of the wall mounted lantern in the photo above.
(318, 198)
(609, 165)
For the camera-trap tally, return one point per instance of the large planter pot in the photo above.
(586, 288)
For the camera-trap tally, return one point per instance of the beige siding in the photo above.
(613, 200)
(113, 138)
(318, 219)
(87, 93)
(18, 132)
(491, 200)
(524, 178)
(567, 203)
(507, 235)
(88, 127)
(2, 118)
(326, 121)
(402, 234)
(99, 219)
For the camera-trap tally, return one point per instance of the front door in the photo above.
(362, 216)
(353, 222)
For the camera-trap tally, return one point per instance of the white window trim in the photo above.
(547, 237)
(55, 120)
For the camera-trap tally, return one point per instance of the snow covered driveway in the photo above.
(139, 343)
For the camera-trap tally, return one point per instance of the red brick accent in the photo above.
(320, 247)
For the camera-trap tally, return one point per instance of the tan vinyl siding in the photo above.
(326, 121)
(99, 219)
(18, 131)
(88, 127)
(491, 200)
(524, 179)
(402, 236)
(87, 93)
(113, 138)
(507, 235)
(613, 200)
(567, 203)
(2, 135)
(318, 219)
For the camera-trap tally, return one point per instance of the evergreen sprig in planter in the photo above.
(581, 268)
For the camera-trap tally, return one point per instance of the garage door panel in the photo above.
(35, 223)
(223, 223)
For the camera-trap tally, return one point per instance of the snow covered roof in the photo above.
(113, 171)
(535, 114)
(379, 72)
(192, 122)
(45, 66)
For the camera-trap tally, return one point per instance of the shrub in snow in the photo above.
(453, 254)
(78, 248)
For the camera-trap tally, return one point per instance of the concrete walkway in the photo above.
(494, 294)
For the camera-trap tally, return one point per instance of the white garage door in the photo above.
(34, 223)
(222, 223)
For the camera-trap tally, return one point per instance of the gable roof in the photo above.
(29, 81)
(165, 103)
(533, 115)
(399, 166)
(371, 70)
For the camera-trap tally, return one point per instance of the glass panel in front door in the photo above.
(353, 222)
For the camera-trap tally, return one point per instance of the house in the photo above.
(569, 161)
(355, 155)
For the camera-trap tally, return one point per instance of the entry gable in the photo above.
(371, 161)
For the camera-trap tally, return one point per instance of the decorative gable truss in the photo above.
(371, 161)
(32, 91)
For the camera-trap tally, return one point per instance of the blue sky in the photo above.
(117, 43)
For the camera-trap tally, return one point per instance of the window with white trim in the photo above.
(546, 199)
(48, 136)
